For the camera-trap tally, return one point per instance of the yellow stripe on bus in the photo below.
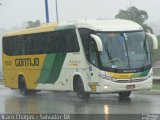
(121, 75)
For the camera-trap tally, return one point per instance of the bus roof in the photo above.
(42, 28)
(97, 25)
(110, 25)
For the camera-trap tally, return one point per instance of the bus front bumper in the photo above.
(111, 87)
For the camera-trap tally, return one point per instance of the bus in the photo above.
(84, 56)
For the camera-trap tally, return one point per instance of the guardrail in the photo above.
(156, 77)
(156, 73)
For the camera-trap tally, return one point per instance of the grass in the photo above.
(156, 86)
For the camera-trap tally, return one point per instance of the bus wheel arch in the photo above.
(22, 85)
(75, 78)
(78, 87)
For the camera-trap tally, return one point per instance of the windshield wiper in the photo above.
(125, 38)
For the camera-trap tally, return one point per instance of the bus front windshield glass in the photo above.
(124, 50)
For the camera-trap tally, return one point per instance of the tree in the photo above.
(156, 53)
(32, 24)
(136, 15)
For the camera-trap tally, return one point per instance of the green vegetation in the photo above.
(156, 86)
(136, 15)
(140, 17)
(156, 53)
(32, 24)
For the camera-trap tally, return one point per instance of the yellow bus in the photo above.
(86, 56)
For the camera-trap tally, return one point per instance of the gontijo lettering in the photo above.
(27, 62)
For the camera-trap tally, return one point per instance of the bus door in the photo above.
(94, 63)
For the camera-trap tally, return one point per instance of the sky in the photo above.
(16, 12)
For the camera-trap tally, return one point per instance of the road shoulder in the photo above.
(2, 87)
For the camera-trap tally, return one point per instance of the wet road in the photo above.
(59, 102)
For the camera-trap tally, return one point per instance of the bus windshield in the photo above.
(124, 50)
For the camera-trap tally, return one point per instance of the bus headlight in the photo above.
(110, 78)
(105, 86)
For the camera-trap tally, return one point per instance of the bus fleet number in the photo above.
(8, 62)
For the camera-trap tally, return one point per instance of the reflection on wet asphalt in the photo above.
(67, 102)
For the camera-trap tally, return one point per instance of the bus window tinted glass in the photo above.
(62, 41)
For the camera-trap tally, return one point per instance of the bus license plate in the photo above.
(130, 86)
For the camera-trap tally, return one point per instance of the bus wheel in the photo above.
(80, 90)
(22, 86)
(125, 94)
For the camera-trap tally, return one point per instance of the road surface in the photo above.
(49, 102)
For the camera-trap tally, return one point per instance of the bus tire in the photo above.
(81, 94)
(22, 86)
(125, 94)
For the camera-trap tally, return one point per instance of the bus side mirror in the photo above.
(154, 39)
(98, 42)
